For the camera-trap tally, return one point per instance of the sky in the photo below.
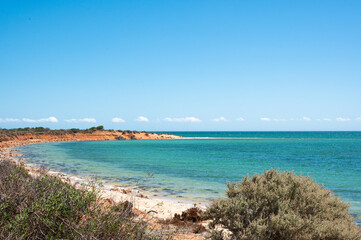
(181, 65)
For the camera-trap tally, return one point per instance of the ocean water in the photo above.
(197, 168)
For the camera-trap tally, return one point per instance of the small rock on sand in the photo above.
(126, 191)
(141, 195)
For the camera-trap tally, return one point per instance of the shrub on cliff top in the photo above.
(74, 130)
(281, 205)
(100, 128)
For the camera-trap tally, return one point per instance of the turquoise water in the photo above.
(198, 169)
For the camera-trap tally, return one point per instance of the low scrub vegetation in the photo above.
(42, 130)
(44, 207)
(11, 134)
(280, 205)
(189, 221)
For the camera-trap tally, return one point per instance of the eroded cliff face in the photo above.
(28, 138)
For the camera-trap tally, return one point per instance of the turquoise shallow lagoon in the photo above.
(198, 169)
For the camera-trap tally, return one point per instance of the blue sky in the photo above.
(181, 65)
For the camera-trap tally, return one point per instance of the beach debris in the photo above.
(142, 195)
(193, 214)
(189, 221)
(115, 189)
(152, 211)
(126, 191)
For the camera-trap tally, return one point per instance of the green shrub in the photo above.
(45, 207)
(74, 130)
(39, 129)
(281, 205)
(100, 128)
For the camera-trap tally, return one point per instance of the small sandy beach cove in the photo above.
(149, 207)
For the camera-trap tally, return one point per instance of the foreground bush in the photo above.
(44, 207)
(281, 205)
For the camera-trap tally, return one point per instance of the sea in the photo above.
(198, 167)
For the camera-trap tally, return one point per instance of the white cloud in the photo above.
(340, 119)
(29, 120)
(265, 119)
(307, 119)
(220, 119)
(358, 119)
(185, 119)
(240, 119)
(50, 119)
(274, 119)
(88, 120)
(117, 120)
(280, 120)
(142, 119)
(10, 120)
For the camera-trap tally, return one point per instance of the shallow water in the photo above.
(198, 169)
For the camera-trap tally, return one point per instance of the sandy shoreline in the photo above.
(161, 208)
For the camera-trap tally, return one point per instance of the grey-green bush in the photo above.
(281, 205)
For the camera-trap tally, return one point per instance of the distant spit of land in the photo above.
(22, 136)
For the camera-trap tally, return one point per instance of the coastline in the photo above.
(158, 212)
(160, 208)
